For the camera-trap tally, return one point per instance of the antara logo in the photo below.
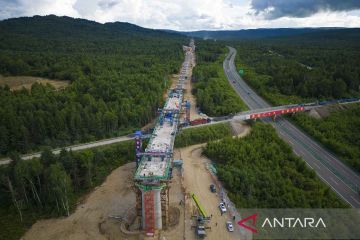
(294, 222)
(287, 222)
(253, 218)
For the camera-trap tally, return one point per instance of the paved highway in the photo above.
(73, 148)
(343, 180)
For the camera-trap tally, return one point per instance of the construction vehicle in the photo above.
(202, 219)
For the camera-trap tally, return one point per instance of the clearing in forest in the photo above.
(18, 82)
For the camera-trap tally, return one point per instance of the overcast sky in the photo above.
(197, 14)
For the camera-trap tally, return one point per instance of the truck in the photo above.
(199, 121)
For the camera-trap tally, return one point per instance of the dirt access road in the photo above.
(197, 179)
(188, 96)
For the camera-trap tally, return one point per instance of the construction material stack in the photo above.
(155, 163)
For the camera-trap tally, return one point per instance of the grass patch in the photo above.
(203, 134)
(19, 82)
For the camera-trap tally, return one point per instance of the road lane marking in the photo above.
(355, 200)
(316, 165)
(297, 154)
(336, 191)
(334, 181)
(309, 165)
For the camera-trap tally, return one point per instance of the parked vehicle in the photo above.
(212, 188)
(229, 226)
(222, 207)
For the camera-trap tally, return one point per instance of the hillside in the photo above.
(112, 67)
(265, 33)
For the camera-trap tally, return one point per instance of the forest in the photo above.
(51, 185)
(202, 134)
(261, 171)
(118, 75)
(214, 95)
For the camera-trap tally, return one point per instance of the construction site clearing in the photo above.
(165, 198)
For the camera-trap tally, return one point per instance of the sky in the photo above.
(189, 15)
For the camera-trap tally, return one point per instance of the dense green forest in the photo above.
(302, 68)
(118, 72)
(203, 134)
(340, 132)
(261, 171)
(52, 185)
(214, 95)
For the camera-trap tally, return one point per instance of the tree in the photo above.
(60, 187)
(47, 157)
(86, 161)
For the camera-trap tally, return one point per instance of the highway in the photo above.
(343, 180)
(73, 148)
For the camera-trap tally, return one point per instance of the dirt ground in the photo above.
(114, 197)
(325, 111)
(188, 96)
(17, 82)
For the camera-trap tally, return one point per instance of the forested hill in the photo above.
(118, 74)
(269, 33)
(67, 28)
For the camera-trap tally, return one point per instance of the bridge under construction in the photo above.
(154, 164)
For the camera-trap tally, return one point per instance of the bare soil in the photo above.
(114, 197)
(325, 111)
(18, 82)
(194, 114)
